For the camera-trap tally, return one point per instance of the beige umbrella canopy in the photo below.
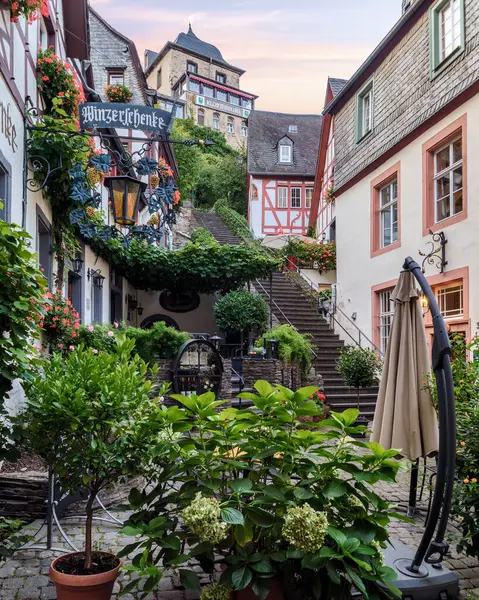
(405, 417)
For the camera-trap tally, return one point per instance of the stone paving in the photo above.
(25, 576)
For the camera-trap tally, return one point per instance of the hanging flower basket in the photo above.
(32, 10)
(329, 196)
(118, 93)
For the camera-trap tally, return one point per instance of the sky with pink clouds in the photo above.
(287, 48)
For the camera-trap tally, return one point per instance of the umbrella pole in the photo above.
(413, 489)
(428, 550)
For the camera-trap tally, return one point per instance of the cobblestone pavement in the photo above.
(25, 577)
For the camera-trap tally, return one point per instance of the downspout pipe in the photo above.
(433, 552)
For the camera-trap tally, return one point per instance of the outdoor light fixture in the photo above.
(272, 347)
(215, 340)
(125, 194)
(97, 277)
(77, 265)
(424, 303)
(140, 310)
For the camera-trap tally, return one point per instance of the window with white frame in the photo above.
(244, 129)
(116, 77)
(230, 126)
(293, 129)
(283, 197)
(388, 207)
(285, 153)
(201, 116)
(448, 31)
(448, 182)
(220, 77)
(192, 67)
(308, 200)
(295, 197)
(365, 105)
(216, 121)
(451, 301)
(386, 313)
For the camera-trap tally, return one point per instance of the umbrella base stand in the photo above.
(431, 583)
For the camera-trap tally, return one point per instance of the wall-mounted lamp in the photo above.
(424, 304)
(97, 277)
(140, 310)
(77, 265)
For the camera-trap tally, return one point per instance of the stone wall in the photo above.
(286, 373)
(405, 96)
(185, 225)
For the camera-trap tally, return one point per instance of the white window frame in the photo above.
(308, 197)
(230, 125)
(244, 129)
(447, 44)
(193, 70)
(293, 129)
(201, 111)
(216, 121)
(221, 78)
(285, 153)
(441, 295)
(386, 313)
(283, 196)
(388, 208)
(113, 74)
(294, 200)
(365, 111)
(448, 171)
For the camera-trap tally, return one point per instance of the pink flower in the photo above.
(46, 78)
(61, 346)
(36, 346)
(71, 348)
(115, 325)
(90, 328)
(161, 400)
(110, 334)
(94, 350)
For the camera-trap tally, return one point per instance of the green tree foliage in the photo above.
(241, 311)
(211, 173)
(359, 367)
(90, 417)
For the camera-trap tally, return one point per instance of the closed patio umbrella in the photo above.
(405, 417)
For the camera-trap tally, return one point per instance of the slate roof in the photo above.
(266, 129)
(191, 43)
(150, 56)
(336, 85)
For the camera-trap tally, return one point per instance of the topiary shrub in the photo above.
(359, 367)
(241, 311)
(292, 344)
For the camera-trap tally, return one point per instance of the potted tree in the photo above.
(360, 368)
(278, 511)
(90, 416)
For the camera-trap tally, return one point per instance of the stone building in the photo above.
(195, 75)
(282, 156)
(406, 128)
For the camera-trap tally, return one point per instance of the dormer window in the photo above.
(285, 153)
(293, 129)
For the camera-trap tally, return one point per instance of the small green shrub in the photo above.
(160, 341)
(203, 237)
(10, 537)
(359, 367)
(242, 311)
(292, 344)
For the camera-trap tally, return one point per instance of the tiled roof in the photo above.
(266, 129)
(336, 85)
(150, 56)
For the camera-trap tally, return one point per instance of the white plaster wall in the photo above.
(319, 279)
(256, 208)
(358, 272)
(200, 320)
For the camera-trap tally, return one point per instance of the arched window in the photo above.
(216, 121)
(244, 129)
(201, 116)
(230, 127)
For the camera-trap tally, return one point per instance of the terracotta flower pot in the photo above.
(77, 587)
(276, 592)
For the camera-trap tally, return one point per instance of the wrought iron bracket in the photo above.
(436, 256)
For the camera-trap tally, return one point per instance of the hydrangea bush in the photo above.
(252, 491)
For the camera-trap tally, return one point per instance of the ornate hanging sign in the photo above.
(104, 115)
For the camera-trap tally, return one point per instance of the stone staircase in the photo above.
(293, 307)
(290, 306)
(217, 228)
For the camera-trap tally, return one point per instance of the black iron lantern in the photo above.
(272, 347)
(77, 265)
(140, 310)
(125, 194)
(97, 277)
(215, 340)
